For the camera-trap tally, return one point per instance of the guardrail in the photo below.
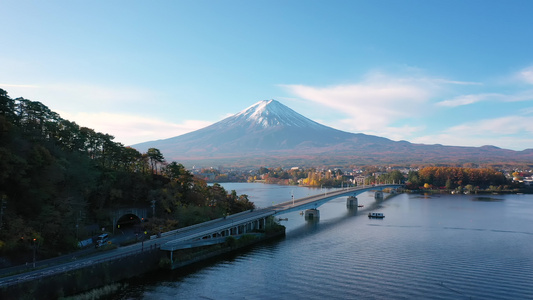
(180, 230)
(71, 266)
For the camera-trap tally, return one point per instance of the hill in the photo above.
(60, 183)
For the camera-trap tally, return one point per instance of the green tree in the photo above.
(413, 179)
(155, 157)
(449, 184)
(396, 177)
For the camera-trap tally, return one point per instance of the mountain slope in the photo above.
(270, 132)
(265, 126)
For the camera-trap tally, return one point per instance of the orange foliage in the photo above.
(461, 176)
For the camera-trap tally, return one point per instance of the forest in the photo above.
(59, 181)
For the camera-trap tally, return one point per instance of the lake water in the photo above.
(426, 247)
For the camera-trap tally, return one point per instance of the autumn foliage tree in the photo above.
(453, 177)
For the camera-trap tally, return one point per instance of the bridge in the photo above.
(207, 233)
(215, 231)
(313, 202)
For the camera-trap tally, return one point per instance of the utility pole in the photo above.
(34, 249)
(78, 224)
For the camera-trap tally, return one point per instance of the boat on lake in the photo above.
(376, 215)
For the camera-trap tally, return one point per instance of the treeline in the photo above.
(456, 177)
(326, 178)
(58, 180)
(428, 177)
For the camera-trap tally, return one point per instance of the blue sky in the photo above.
(434, 72)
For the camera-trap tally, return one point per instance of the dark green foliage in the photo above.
(57, 177)
(273, 227)
(246, 239)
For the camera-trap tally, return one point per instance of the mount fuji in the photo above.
(269, 132)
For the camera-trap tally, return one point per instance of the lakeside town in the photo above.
(508, 178)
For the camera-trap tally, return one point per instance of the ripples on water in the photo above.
(447, 247)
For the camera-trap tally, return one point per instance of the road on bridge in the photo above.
(309, 201)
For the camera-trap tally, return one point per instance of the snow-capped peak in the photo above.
(272, 113)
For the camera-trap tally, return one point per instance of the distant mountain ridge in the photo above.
(269, 132)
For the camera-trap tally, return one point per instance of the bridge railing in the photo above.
(179, 230)
(330, 194)
(36, 274)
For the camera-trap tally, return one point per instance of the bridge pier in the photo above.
(352, 202)
(312, 214)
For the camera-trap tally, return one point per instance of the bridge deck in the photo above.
(317, 200)
(185, 235)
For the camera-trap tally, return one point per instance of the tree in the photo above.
(448, 184)
(412, 178)
(263, 170)
(155, 157)
(183, 178)
(7, 106)
(395, 176)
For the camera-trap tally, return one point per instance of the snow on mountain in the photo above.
(271, 113)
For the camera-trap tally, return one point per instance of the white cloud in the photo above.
(510, 132)
(504, 125)
(468, 99)
(81, 97)
(526, 75)
(374, 103)
(378, 103)
(520, 96)
(397, 133)
(505, 142)
(131, 129)
(474, 98)
(96, 107)
(8, 85)
(456, 82)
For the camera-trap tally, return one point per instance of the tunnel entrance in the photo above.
(129, 223)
